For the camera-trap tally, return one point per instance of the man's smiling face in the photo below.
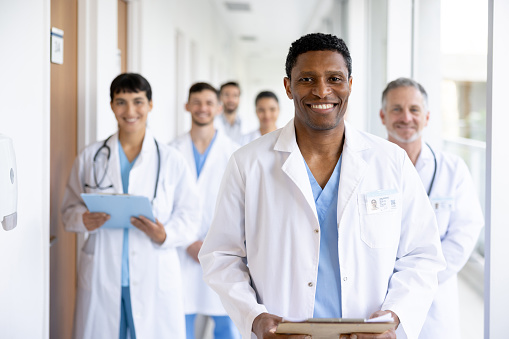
(319, 86)
(404, 115)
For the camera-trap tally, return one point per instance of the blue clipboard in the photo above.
(120, 207)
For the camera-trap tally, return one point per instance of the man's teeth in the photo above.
(322, 106)
(131, 120)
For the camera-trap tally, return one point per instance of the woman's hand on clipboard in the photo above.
(93, 221)
(154, 230)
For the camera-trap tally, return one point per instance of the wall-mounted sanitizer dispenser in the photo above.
(8, 184)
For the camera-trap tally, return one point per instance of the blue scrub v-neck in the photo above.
(199, 159)
(125, 170)
(328, 284)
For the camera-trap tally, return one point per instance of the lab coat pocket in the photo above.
(163, 203)
(85, 270)
(380, 218)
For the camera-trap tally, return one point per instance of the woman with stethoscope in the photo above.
(129, 279)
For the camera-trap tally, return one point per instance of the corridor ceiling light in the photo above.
(238, 6)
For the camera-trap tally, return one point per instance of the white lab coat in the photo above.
(154, 270)
(198, 296)
(261, 253)
(247, 138)
(234, 131)
(460, 220)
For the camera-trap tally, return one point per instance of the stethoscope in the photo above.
(99, 182)
(434, 171)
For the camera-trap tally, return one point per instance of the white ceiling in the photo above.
(274, 24)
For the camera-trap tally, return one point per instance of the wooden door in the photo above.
(122, 34)
(64, 98)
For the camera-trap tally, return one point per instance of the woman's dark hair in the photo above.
(266, 94)
(130, 83)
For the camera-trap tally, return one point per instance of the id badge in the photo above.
(381, 201)
(443, 204)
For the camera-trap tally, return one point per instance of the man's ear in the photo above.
(186, 107)
(427, 119)
(382, 116)
(287, 83)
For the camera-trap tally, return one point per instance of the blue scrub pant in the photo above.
(126, 315)
(223, 329)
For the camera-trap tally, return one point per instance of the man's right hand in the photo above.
(265, 324)
(93, 221)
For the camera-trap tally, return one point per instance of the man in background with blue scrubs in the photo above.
(207, 152)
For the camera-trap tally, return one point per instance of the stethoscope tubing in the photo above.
(108, 149)
(434, 171)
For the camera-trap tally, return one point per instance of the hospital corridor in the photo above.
(176, 107)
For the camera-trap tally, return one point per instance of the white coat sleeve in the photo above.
(73, 206)
(465, 223)
(182, 226)
(223, 254)
(419, 257)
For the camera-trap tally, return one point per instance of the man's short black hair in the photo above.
(266, 94)
(130, 83)
(229, 83)
(200, 87)
(317, 42)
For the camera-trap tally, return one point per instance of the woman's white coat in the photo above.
(155, 281)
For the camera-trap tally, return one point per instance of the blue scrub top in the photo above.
(125, 169)
(328, 285)
(199, 158)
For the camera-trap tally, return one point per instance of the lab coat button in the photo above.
(310, 284)
(345, 279)
(317, 230)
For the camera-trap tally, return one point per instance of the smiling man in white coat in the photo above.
(451, 192)
(207, 152)
(294, 233)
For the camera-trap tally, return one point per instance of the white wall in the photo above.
(97, 67)
(357, 41)
(427, 65)
(25, 117)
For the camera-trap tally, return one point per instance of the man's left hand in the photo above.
(154, 231)
(391, 334)
(194, 249)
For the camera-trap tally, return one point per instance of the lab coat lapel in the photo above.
(353, 167)
(294, 165)
(186, 148)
